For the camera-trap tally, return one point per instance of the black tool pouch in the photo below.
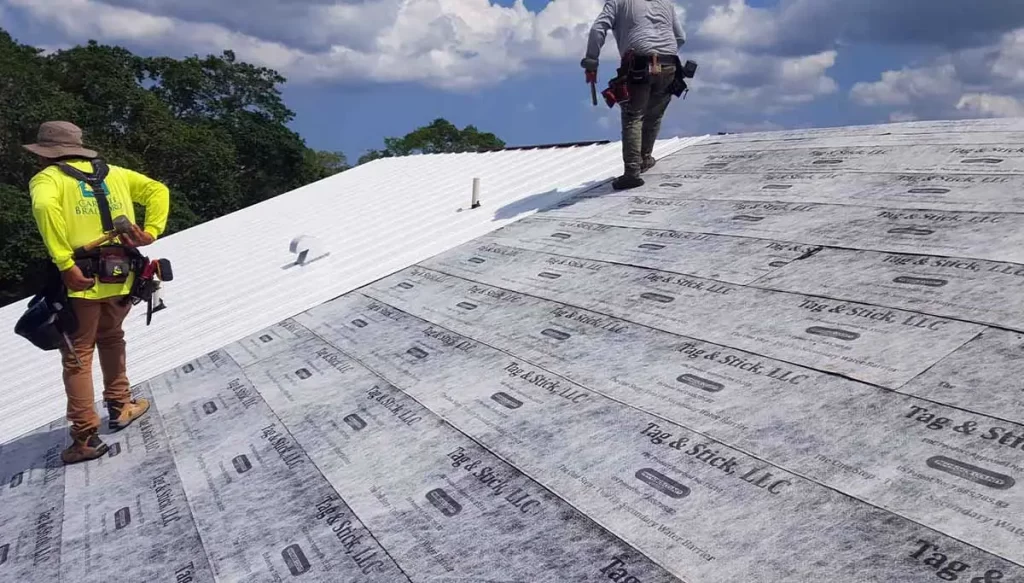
(109, 263)
(638, 72)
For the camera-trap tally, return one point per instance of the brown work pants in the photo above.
(99, 327)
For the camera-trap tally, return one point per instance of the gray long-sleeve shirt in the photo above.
(646, 26)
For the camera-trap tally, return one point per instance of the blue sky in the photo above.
(360, 70)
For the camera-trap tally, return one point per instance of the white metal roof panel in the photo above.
(374, 219)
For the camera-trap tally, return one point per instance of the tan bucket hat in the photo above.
(57, 139)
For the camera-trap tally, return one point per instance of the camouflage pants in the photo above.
(641, 118)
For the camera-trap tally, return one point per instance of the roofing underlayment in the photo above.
(790, 356)
(235, 275)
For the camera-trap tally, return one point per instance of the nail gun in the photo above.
(147, 286)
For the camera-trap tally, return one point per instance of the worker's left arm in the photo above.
(677, 28)
(154, 196)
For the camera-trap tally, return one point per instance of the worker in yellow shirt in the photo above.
(74, 199)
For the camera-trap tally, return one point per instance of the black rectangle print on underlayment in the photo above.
(32, 505)
(884, 346)
(130, 503)
(731, 259)
(256, 495)
(445, 508)
(973, 159)
(985, 292)
(982, 235)
(906, 190)
(702, 509)
(859, 439)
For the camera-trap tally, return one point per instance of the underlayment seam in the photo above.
(655, 414)
(656, 329)
(184, 491)
(311, 460)
(556, 494)
(753, 284)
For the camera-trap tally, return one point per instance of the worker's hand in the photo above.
(75, 280)
(592, 76)
(589, 64)
(138, 237)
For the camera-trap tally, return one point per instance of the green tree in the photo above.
(212, 128)
(438, 137)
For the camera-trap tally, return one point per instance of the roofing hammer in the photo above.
(122, 226)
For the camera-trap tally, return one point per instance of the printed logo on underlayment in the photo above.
(242, 464)
(716, 165)
(359, 323)
(303, 373)
(467, 305)
(549, 275)
(209, 407)
(828, 162)
(836, 333)
(671, 184)
(639, 213)
(556, 334)
(114, 450)
(417, 352)
(443, 502)
(662, 483)
(406, 285)
(562, 236)
(506, 400)
(122, 518)
(188, 368)
(16, 479)
(652, 246)
(266, 338)
(776, 187)
(778, 264)
(660, 298)
(295, 559)
(971, 473)
(700, 383)
(476, 260)
(921, 281)
(918, 231)
(355, 422)
(982, 161)
(928, 190)
(748, 218)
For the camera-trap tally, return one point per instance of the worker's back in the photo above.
(648, 27)
(58, 198)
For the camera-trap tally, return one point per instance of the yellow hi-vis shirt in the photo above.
(68, 216)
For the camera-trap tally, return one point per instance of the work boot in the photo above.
(647, 164)
(626, 181)
(84, 448)
(123, 414)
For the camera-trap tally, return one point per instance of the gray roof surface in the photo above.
(788, 357)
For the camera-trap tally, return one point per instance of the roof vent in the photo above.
(307, 249)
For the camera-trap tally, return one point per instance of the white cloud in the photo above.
(454, 44)
(986, 81)
(740, 25)
(988, 105)
(907, 85)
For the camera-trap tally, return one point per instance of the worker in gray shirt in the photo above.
(649, 36)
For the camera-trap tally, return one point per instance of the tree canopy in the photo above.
(440, 136)
(213, 129)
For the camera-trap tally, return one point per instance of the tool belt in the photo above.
(110, 263)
